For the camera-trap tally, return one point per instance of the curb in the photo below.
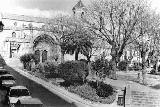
(67, 96)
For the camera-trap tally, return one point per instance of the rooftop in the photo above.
(29, 101)
(78, 5)
(26, 18)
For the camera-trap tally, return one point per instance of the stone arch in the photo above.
(43, 38)
(47, 46)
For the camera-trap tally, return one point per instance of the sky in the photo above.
(46, 8)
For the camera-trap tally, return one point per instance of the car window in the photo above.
(7, 78)
(3, 72)
(19, 92)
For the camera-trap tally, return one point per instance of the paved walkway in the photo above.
(136, 95)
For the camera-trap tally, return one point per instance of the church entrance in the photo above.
(37, 55)
(44, 56)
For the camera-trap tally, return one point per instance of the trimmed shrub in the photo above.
(50, 69)
(88, 92)
(2, 61)
(101, 66)
(137, 66)
(73, 71)
(122, 65)
(26, 59)
(84, 60)
(153, 71)
(65, 84)
(85, 91)
(39, 68)
(104, 90)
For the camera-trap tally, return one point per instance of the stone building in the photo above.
(26, 34)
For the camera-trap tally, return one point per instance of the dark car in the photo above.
(7, 80)
(3, 71)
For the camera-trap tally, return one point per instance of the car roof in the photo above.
(2, 69)
(30, 101)
(18, 87)
(6, 75)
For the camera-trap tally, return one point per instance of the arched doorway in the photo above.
(44, 56)
(37, 56)
(47, 45)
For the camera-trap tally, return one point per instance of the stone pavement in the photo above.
(137, 95)
(142, 96)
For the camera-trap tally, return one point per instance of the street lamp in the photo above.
(1, 26)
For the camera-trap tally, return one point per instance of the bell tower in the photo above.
(78, 9)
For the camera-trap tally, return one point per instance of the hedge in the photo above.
(88, 92)
(26, 59)
(122, 65)
(73, 71)
(102, 66)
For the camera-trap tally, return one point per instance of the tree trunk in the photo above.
(143, 70)
(62, 57)
(113, 62)
(127, 67)
(114, 69)
(24, 65)
(76, 54)
(89, 66)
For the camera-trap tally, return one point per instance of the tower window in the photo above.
(82, 14)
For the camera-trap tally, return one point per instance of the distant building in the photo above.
(79, 9)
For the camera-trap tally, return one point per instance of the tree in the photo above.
(147, 30)
(72, 36)
(115, 21)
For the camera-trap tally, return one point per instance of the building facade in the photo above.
(26, 34)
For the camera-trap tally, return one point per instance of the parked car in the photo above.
(29, 102)
(7, 80)
(3, 71)
(16, 93)
(1, 67)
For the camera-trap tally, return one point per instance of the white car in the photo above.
(29, 102)
(16, 93)
(7, 80)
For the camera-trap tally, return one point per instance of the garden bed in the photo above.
(89, 93)
(84, 90)
(74, 80)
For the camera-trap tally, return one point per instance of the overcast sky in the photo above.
(45, 8)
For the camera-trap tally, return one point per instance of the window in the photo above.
(44, 56)
(37, 55)
(13, 34)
